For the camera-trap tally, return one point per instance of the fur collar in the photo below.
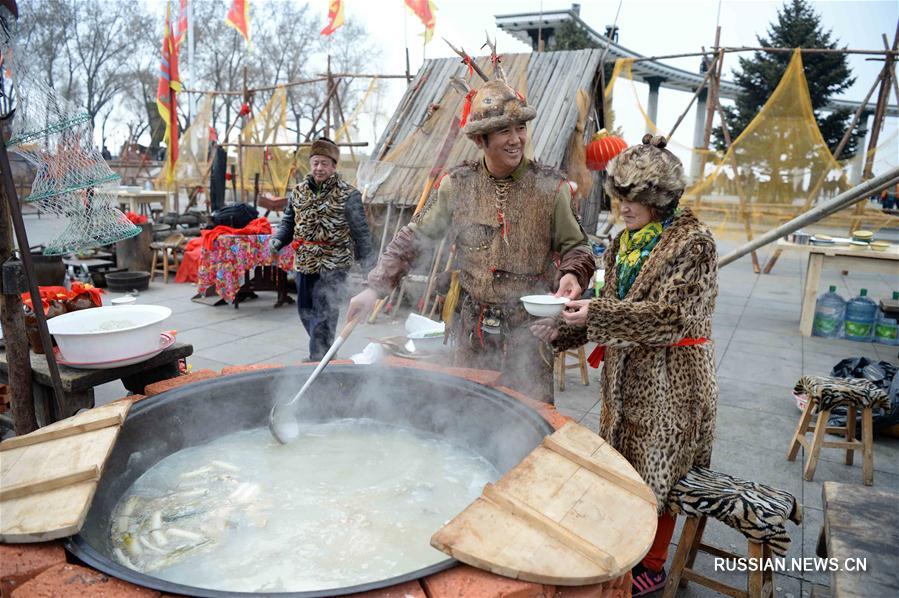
(686, 229)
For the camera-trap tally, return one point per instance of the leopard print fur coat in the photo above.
(658, 402)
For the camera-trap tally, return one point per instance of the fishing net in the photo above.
(273, 164)
(73, 180)
(777, 168)
(192, 166)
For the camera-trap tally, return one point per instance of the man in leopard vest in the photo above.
(326, 221)
(515, 234)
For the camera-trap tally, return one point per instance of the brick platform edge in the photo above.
(41, 570)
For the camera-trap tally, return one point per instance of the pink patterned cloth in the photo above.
(231, 255)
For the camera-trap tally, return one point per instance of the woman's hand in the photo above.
(575, 313)
(546, 329)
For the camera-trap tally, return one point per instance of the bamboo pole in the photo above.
(845, 199)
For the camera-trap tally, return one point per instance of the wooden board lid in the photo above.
(48, 478)
(573, 512)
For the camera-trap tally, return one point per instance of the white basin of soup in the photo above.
(349, 502)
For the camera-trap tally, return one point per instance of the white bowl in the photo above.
(544, 306)
(109, 333)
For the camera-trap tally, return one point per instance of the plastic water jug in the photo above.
(861, 316)
(886, 330)
(829, 312)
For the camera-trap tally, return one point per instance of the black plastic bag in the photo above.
(883, 375)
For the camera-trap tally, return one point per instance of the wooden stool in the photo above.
(760, 583)
(562, 366)
(166, 249)
(866, 444)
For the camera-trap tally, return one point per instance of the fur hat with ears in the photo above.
(648, 174)
(325, 147)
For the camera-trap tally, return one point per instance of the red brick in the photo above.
(546, 411)
(614, 588)
(467, 582)
(485, 377)
(21, 562)
(240, 369)
(164, 385)
(410, 589)
(73, 581)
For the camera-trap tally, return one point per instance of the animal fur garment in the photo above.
(658, 402)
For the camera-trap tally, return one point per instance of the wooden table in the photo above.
(78, 385)
(840, 257)
(861, 522)
(139, 201)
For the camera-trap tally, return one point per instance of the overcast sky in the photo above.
(646, 27)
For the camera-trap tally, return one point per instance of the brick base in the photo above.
(21, 562)
(73, 581)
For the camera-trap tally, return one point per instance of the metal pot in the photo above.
(799, 237)
(478, 417)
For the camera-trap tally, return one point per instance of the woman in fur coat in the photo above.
(653, 322)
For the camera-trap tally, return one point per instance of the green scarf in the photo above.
(633, 249)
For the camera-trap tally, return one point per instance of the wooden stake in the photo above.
(12, 321)
(8, 189)
(880, 110)
(709, 72)
(243, 124)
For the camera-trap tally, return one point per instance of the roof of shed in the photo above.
(417, 130)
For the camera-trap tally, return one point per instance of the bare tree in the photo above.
(104, 55)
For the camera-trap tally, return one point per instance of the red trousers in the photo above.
(658, 554)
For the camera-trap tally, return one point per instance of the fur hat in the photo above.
(647, 174)
(325, 147)
(496, 106)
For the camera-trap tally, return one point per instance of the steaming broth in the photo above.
(348, 502)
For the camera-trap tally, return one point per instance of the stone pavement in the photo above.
(760, 355)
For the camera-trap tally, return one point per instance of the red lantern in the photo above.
(602, 148)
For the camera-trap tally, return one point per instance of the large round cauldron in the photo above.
(480, 418)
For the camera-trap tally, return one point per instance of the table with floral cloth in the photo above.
(231, 256)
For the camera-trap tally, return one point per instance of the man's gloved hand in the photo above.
(274, 245)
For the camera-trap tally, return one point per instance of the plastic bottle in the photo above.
(861, 316)
(829, 312)
(886, 330)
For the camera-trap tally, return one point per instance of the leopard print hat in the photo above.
(647, 173)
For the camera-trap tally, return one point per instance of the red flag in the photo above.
(169, 85)
(239, 18)
(424, 10)
(335, 17)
